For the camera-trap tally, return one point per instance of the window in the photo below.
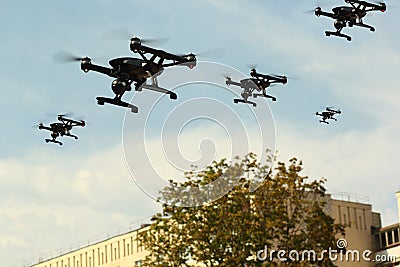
(340, 215)
(123, 245)
(396, 235)
(390, 237)
(344, 219)
(119, 253)
(365, 222)
(348, 213)
(377, 242)
(383, 239)
(355, 217)
(111, 253)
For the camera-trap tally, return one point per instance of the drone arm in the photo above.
(98, 68)
(176, 59)
(319, 12)
(366, 6)
(160, 53)
(71, 135)
(229, 82)
(41, 127)
(175, 63)
(71, 122)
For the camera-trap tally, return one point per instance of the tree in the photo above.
(286, 213)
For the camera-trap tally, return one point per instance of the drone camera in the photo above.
(119, 86)
(339, 24)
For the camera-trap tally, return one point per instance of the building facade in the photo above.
(360, 222)
(387, 242)
(124, 250)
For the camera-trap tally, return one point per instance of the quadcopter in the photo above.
(130, 70)
(350, 16)
(258, 82)
(61, 128)
(328, 115)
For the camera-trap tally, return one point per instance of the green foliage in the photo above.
(286, 212)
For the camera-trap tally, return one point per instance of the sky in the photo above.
(53, 199)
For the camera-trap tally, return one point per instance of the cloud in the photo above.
(47, 204)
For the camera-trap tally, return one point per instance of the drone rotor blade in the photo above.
(217, 52)
(226, 75)
(310, 11)
(154, 41)
(252, 66)
(65, 57)
(123, 33)
(68, 114)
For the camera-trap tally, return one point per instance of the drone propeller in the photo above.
(251, 66)
(216, 52)
(68, 114)
(65, 57)
(207, 53)
(52, 115)
(37, 125)
(226, 75)
(122, 33)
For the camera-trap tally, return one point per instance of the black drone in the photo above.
(328, 115)
(128, 70)
(61, 128)
(258, 82)
(350, 15)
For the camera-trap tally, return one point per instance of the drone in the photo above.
(258, 82)
(328, 115)
(130, 70)
(350, 16)
(61, 128)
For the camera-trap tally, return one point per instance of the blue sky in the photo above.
(54, 197)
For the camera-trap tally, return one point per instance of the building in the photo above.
(120, 250)
(387, 242)
(123, 250)
(356, 214)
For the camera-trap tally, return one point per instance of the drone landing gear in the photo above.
(322, 121)
(117, 102)
(236, 100)
(372, 29)
(53, 141)
(156, 88)
(265, 95)
(339, 34)
(71, 135)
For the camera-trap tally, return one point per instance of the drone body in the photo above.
(328, 114)
(61, 128)
(350, 16)
(128, 70)
(257, 83)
